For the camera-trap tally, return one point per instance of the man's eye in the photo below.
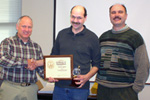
(73, 17)
(113, 12)
(29, 27)
(120, 12)
(79, 18)
(24, 26)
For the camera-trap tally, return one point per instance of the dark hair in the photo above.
(121, 5)
(85, 11)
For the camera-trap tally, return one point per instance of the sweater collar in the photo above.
(121, 30)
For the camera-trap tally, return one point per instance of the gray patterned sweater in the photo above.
(124, 60)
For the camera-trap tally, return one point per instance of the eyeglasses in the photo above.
(78, 18)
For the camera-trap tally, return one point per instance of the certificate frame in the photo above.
(58, 67)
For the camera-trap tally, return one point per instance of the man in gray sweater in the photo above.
(124, 66)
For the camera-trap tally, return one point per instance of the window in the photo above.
(10, 11)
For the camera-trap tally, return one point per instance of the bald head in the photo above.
(119, 5)
(25, 16)
(81, 8)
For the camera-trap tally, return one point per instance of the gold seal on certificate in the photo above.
(58, 67)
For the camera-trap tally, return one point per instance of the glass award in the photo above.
(76, 72)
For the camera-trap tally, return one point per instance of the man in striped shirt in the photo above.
(17, 70)
(124, 66)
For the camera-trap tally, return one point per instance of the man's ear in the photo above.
(16, 26)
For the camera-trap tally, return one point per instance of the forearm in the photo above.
(9, 61)
(92, 72)
(6, 57)
(142, 68)
(39, 62)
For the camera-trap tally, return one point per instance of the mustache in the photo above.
(75, 23)
(116, 17)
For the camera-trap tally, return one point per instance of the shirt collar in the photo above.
(29, 40)
(80, 33)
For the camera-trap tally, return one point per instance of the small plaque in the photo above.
(58, 67)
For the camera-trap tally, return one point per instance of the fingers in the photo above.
(80, 86)
(50, 79)
(81, 80)
(31, 64)
(80, 83)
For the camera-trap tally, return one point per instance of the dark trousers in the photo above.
(105, 93)
(1, 82)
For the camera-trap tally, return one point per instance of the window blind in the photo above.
(10, 11)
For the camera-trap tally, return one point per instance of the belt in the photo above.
(23, 84)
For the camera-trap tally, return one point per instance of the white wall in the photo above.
(41, 11)
(144, 95)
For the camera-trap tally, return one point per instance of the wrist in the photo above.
(36, 64)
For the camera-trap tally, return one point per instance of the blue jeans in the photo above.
(70, 94)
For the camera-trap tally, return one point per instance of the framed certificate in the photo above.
(58, 66)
